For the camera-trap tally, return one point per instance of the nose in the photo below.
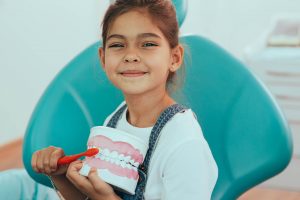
(131, 57)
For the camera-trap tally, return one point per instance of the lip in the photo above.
(133, 73)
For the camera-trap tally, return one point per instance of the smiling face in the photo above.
(137, 57)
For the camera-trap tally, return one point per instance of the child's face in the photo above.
(137, 56)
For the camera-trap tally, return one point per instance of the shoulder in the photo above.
(182, 131)
(110, 116)
(184, 125)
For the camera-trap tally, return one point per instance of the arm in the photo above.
(67, 180)
(66, 189)
(11, 154)
(45, 161)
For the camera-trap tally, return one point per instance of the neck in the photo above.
(145, 109)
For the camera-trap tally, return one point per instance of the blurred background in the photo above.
(38, 38)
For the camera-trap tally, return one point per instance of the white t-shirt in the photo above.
(182, 165)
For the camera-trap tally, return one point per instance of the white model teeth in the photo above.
(105, 152)
(127, 158)
(129, 166)
(115, 158)
(114, 155)
(123, 164)
(131, 161)
(136, 164)
(113, 161)
(118, 162)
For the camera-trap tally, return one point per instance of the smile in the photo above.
(133, 73)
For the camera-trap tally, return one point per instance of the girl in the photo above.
(140, 56)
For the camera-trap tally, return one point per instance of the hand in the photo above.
(93, 186)
(45, 161)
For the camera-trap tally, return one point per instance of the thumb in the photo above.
(61, 170)
(99, 185)
(93, 177)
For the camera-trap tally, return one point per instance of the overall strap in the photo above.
(115, 118)
(164, 117)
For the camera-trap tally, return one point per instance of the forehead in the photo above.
(132, 23)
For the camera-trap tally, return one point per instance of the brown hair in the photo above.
(163, 15)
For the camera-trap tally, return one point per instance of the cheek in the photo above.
(111, 63)
(159, 62)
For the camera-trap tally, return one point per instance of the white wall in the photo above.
(235, 24)
(37, 38)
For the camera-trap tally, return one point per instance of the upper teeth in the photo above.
(118, 159)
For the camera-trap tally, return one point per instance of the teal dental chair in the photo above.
(242, 123)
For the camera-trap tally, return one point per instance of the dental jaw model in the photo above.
(119, 157)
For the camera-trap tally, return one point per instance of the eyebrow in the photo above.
(141, 35)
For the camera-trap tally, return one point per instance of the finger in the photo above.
(94, 178)
(46, 159)
(73, 170)
(76, 165)
(77, 179)
(55, 155)
(98, 184)
(39, 161)
(33, 161)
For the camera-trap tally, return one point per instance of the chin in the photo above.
(133, 92)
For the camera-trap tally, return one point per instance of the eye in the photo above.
(149, 44)
(116, 45)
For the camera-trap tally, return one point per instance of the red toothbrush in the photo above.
(68, 159)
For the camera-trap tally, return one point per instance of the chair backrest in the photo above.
(243, 125)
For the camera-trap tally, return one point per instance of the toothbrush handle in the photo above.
(68, 159)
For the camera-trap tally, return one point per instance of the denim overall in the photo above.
(164, 117)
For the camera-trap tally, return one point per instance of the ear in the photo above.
(102, 57)
(177, 57)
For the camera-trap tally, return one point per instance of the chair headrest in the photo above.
(181, 9)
